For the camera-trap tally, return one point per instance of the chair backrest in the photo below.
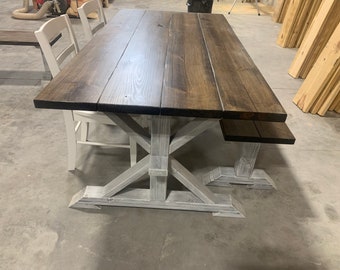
(92, 6)
(49, 34)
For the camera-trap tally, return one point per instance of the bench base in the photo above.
(226, 177)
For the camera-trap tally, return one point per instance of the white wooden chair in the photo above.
(74, 120)
(90, 28)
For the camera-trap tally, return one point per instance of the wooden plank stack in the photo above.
(320, 90)
(298, 17)
(280, 10)
(313, 26)
(319, 32)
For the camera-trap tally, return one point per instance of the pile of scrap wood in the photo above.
(313, 26)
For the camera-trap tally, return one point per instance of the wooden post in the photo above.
(158, 171)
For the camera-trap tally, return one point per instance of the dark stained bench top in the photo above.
(256, 131)
(21, 37)
(168, 63)
(18, 37)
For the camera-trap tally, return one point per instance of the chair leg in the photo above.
(257, 6)
(133, 151)
(71, 139)
(232, 6)
(84, 131)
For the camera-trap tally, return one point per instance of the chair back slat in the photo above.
(93, 6)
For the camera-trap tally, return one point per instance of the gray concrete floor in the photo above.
(295, 227)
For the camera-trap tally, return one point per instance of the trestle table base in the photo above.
(158, 165)
(90, 197)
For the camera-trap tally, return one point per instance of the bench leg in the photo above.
(243, 172)
(244, 166)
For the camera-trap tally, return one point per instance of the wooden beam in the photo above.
(289, 22)
(279, 8)
(311, 12)
(330, 98)
(327, 96)
(321, 28)
(335, 104)
(320, 74)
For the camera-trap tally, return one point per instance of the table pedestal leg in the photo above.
(158, 171)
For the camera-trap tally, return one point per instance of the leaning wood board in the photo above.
(290, 21)
(328, 94)
(280, 10)
(318, 34)
(168, 63)
(299, 16)
(320, 75)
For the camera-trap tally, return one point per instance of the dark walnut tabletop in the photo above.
(167, 63)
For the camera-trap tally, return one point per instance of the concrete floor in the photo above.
(295, 227)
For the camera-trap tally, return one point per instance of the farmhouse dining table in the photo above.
(165, 65)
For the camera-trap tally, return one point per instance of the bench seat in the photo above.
(18, 37)
(256, 131)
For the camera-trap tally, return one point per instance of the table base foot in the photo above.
(225, 177)
(77, 202)
(91, 197)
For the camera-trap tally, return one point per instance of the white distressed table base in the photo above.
(226, 177)
(91, 197)
(158, 165)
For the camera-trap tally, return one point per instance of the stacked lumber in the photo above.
(280, 10)
(335, 105)
(318, 34)
(320, 90)
(299, 15)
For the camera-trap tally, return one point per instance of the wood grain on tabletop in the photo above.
(137, 81)
(244, 91)
(151, 62)
(83, 80)
(189, 83)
